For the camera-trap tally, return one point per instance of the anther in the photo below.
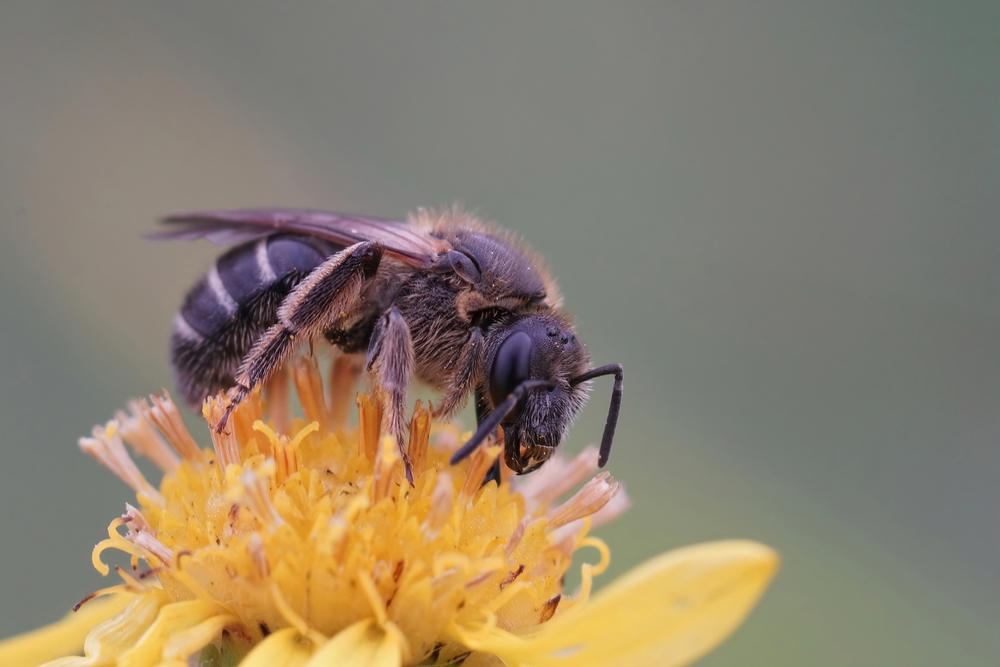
(594, 495)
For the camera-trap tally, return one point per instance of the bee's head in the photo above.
(537, 356)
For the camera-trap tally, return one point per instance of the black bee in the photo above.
(445, 298)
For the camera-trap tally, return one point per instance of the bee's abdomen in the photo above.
(233, 305)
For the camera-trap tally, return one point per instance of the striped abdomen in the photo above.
(233, 305)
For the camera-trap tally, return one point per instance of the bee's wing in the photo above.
(403, 240)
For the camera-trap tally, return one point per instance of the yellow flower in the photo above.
(314, 550)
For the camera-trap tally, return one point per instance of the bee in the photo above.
(445, 298)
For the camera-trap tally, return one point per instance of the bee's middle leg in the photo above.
(390, 358)
(331, 290)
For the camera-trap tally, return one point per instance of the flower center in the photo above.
(321, 530)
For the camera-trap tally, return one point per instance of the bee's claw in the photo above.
(220, 427)
(407, 468)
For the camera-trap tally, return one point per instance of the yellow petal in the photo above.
(363, 644)
(188, 642)
(106, 642)
(173, 620)
(284, 647)
(63, 637)
(669, 611)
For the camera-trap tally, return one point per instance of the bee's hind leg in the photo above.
(390, 358)
(329, 291)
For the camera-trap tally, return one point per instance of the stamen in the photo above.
(255, 547)
(114, 541)
(515, 538)
(369, 424)
(602, 548)
(286, 458)
(286, 462)
(420, 430)
(615, 508)
(242, 419)
(257, 498)
(276, 393)
(118, 588)
(107, 447)
(312, 427)
(134, 520)
(344, 373)
(587, 574)
(132, 584)
(227, 447)
(479, 463)
(334, 540)
(140, 533)
(267, 430)
(138, 432)
(594, 495)
(151, 545)
(442, 500)
(385, 466)
(309, 386)
(165, 416)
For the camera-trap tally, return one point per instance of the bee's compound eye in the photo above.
(512, 365)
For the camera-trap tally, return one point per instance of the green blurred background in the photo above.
(782, 219)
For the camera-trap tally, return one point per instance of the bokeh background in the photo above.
(782, 219)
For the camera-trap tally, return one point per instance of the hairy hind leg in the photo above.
(390, 357)
(330, 291)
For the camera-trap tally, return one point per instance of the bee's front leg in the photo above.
(482, 410)
(390, 359)
(464, 378)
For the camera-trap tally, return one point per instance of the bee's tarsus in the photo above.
(220, 427)
(493, 474)
(408, 470)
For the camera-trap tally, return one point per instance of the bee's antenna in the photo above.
(613, 409)
(492, 420)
